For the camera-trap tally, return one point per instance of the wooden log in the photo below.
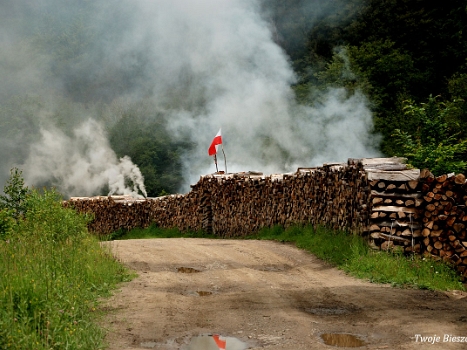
(394, 209)
(425, 173)
(403, 175)
(459, 179)
(426, 232)
(450, 221)
(442, 178)
(407, 195)
(389, 237)
(413, 184)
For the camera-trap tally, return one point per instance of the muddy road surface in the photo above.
(209, 294)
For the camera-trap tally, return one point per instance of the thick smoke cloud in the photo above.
(205, 64)
(81, 163)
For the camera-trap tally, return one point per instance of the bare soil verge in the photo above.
(268, 295)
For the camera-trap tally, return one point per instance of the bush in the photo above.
(434, 146)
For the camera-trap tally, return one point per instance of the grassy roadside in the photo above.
(347, 252)
(353, 255)
(52, 274)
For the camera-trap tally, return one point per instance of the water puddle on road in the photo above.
(215, 342)
(342, 340)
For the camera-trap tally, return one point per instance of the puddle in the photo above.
(215, 342)
(203, 293)
(187, 270)
(342, 340)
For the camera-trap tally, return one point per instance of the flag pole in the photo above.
(225, 159)
(215, 162)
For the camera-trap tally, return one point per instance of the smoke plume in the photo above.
(205, 64)
(81, 163)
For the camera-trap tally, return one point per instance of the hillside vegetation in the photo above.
(53, 273)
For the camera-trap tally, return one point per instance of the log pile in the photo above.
(331, 195)
(120, 212)
(232, 205)
(444, 220)
(378, 197)
(396, 201)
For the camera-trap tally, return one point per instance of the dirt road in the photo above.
(267, 295)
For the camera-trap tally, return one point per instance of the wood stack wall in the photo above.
(426, 215)
(378, 198)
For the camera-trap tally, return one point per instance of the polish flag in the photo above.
(220, 343)
(216, 142)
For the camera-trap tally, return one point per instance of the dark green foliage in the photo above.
(398, 50)
(141, 134)
(433, 145)
(14, 199)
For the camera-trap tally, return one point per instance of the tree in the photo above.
(433, 146)
(15, 194)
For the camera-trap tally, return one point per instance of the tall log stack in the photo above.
(395, 204)
(420, 213)
(445, 218)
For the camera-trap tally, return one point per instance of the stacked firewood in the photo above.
(444, 218)
(117, 212)
(238, 204)
(378, 197)
(396, 201)
(331, 195)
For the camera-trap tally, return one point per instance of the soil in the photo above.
(267, 295)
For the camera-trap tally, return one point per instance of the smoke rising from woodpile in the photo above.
(204, 64)
(81, 163)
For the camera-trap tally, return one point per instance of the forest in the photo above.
(158, 81)
(408, 56)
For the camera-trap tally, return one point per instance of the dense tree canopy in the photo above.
(398, 50)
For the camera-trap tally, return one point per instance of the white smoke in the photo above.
(206, 64)
(243, 80)
(81, 163)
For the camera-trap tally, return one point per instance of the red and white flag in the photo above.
(221, 344)
(215, 143)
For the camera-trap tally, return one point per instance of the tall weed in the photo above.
(52, 272)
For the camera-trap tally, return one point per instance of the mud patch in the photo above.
(342, 340)
(203, 293)
(187, 270)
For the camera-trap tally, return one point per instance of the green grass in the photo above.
(346, 251)
(352, 254)
(52, 274)
(156, 232)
